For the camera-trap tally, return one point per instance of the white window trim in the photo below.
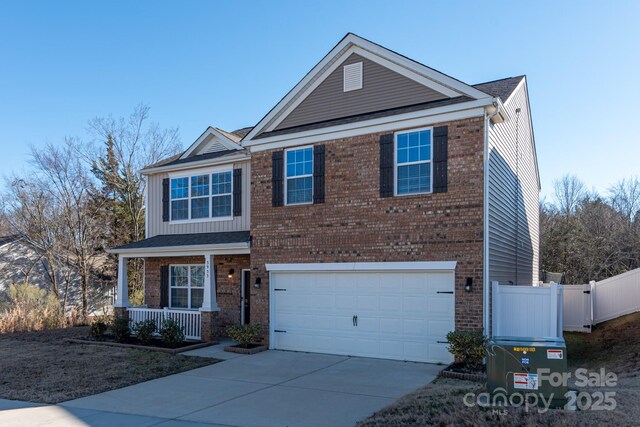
(396, 165)
(188, 287)
(286, 177)
(199, 172)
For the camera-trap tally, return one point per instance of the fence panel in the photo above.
(188, 320)
(616, 296)
(527, 311)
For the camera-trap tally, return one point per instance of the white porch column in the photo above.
(122, 293)
(209, 301)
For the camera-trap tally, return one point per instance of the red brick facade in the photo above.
(229, 290)
(355, 224)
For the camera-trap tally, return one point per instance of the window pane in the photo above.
(221, 206)
(199, 185)
(221, 183)
(179, 298)
(200, 208)
(179, 276)
(197, 276)
(179, 188)
(179, 209)
(196, 297)
(414, 179)
(299, 190)
(300, 162)
(413, 147)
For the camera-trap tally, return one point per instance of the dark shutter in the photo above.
(440, 153)
(386, 165)
(277, 178)
(318, 174)
(164, 286)
(165, 200)
(237, 192)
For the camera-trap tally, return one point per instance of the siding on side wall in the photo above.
(154, 203)
(382, 89)
(513, 197)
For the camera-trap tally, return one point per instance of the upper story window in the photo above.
(187, 286)
(299, 176)
(413, 162)
(201, 196)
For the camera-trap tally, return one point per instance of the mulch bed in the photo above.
(459, 371)
(155, 345)
(246, 349)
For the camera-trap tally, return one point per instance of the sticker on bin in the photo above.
(554, 354)
(525, 381)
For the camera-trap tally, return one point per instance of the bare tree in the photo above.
(625, 197)
(569, 191)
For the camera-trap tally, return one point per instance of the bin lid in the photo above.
(528, 341)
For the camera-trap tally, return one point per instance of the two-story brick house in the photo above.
(365, 214)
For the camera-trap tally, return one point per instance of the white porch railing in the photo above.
(189, 320)
(527, 311)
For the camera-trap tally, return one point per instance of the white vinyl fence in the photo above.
(189, 320)
(597, 302)
(527, 311)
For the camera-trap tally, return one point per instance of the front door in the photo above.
(245, 308)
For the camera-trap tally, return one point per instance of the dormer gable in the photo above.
(213, 140)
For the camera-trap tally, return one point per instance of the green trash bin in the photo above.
(517, 365)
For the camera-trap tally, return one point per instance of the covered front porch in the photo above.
(202, 281)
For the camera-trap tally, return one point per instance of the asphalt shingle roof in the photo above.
(170, 240)
(502, 88)
(8, 239)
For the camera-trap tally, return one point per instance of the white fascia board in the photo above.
(231, 145)
(221, 249)
(242, 156)
(392, 123)
(365, 266)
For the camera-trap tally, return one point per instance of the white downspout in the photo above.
(486, 305)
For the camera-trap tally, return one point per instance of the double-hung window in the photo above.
(413, 152)
(201, 196)
(187, 286)
(299, 176)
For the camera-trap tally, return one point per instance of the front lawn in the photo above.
(40, 367)
(614, 345)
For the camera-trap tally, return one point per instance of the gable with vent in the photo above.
(213, 140)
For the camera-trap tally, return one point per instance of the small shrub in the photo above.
(29, 308)
(98, 328)
(120, 328)
(468, 347)
(144, 330)
(245, 334)
(171, 333)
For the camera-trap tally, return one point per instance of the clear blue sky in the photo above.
(200, 63)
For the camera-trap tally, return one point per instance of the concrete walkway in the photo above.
(273, 388)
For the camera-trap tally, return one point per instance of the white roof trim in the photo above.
(352, 43)
(220, 249)
(211, 131)
(366, 266)
(231, 158)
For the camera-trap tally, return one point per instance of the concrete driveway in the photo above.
(273, 388)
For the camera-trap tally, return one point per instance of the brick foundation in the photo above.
(356, 225)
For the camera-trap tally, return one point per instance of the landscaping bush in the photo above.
(120, 328)
(245, 334)
(29, 308)
(144, 330)
(171, 333)
(98, 329)
(468, 347)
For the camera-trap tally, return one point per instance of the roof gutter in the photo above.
(226, 248)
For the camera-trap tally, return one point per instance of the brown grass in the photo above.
(39, 367)
(614, 345)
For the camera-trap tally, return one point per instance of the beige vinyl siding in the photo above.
(513, 197)
(154, 203)
(382, 89)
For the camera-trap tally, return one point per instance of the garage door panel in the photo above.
(400, 314)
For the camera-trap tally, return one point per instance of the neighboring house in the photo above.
(365, 214)
(22, 261)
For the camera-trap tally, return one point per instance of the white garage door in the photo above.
(391, 315)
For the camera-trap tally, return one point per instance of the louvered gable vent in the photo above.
(212, 146)
(353, 76)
